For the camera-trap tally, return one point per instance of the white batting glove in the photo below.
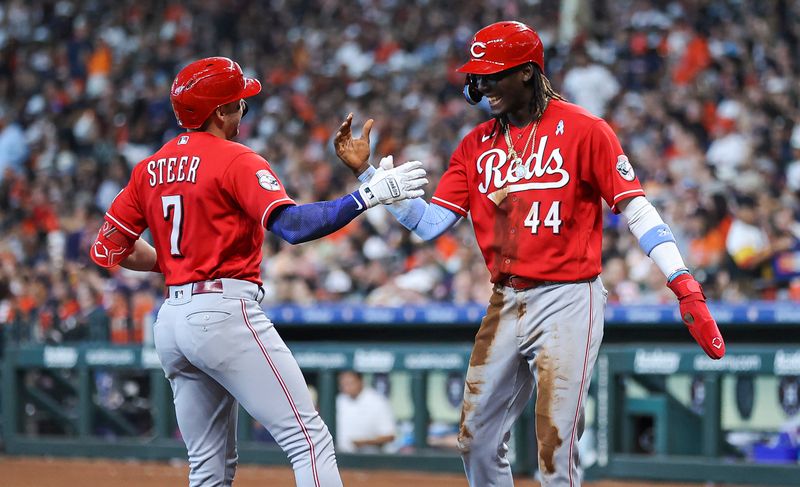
(390, 184)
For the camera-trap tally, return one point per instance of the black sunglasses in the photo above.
(473, 79)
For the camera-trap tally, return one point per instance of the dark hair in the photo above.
(543, 92)
(357, 374)
(745, 201)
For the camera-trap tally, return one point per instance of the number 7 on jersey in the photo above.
(173, 208)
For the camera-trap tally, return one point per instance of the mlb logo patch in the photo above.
(624, 168)
(267, 180)
(183, 140)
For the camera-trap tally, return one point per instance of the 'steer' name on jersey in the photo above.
(173, 169)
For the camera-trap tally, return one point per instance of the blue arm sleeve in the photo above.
(431, 220)
(297, 224)
(426, 220)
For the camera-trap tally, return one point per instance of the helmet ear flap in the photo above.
(471, 93)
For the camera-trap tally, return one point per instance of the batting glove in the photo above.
(696, 316)
(390, 184)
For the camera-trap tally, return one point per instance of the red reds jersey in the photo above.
(206, 202)
(542, 220)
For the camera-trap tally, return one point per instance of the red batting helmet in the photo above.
(204, 85)
(502, 46)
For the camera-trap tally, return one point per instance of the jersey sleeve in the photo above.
(453, 189)
(125, 212)
(610, 171)
(253, 184)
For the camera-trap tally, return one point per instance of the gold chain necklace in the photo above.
(519, 167)
(517, 164)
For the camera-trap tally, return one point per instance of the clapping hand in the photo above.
(353, 152)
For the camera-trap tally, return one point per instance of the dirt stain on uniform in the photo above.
(547, 434)
(474, 386)
(487, 331)
(506, 219)
(463, 430)
(522, 310)
(464, 437)
(480, 354)
(499, 196)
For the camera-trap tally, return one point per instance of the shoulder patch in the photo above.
(267, 180)
(624, 168)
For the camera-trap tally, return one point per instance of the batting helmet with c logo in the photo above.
(503, 45)
(204, 85)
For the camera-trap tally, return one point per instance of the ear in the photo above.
(218, 115)
(527, 72)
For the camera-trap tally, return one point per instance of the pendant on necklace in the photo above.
(517, 167)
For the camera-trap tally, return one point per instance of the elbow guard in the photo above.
(111, 246)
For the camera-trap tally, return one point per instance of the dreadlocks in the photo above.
(543, 92)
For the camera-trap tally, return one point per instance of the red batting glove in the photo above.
(696, 316)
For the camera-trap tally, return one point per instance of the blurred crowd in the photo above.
(703, 96)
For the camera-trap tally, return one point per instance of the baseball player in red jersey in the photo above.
(207, 201)
(533, 180)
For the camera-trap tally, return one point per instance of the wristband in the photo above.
(367, 174)
(676, 274)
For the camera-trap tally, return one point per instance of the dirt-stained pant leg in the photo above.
(561, 339)
(498, 385)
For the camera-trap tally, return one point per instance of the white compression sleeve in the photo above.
(654, 235)
(426, 220)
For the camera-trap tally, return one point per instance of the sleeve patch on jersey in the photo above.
(267, 180)
(624, 168)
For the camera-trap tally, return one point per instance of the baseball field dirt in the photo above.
(50, 472)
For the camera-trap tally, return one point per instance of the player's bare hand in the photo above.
(353, 152)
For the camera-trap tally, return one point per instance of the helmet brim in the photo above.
(252, 87)
(478, 66)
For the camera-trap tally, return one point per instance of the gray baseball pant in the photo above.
(548, 336)
(220, 349)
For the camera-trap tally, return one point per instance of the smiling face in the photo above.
(507, 92)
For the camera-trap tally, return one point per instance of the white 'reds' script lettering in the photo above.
(180, 170)
(493, 164)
